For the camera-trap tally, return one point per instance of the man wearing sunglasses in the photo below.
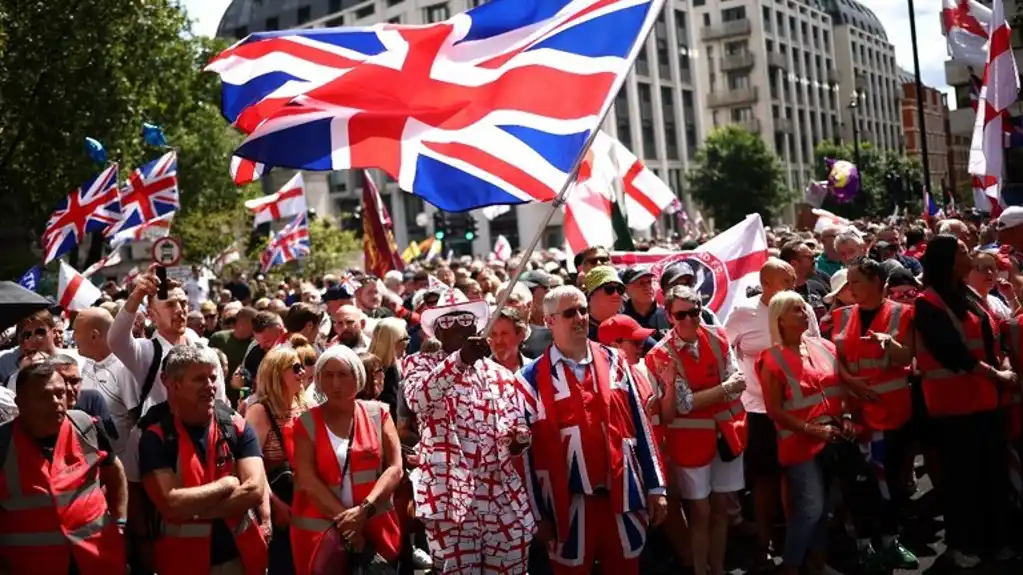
(604, 290)
(33, 334)
(584, 391)
(592, 257)
(467, 489)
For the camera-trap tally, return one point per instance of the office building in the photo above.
(934, 133)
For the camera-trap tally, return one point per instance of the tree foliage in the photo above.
(100, 68)
(887, 179)
(735, 174)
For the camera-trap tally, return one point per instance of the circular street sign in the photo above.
(166, 251)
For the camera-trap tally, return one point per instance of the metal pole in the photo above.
(856, 130)
(922, 130)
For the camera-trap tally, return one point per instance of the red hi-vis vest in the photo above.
(53, 512)
(184, 548)
(866, 359)
(812, 393)
(692, 437)
(1012, 399)
(955, 393)
(365, 466)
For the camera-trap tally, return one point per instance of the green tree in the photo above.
(100, 68)
(735, 174)
(887, 180)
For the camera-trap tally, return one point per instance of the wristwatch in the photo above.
(369, 507)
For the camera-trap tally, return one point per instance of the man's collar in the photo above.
(557, 356)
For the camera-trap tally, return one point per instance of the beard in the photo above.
(349, 339)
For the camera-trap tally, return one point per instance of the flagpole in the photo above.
(920, 118)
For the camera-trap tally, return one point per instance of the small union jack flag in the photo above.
(150, 192)
(94, 207)
(291, 243)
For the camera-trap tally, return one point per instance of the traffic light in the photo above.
(471, 228)
(440, 225)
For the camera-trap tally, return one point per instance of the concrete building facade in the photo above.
(935, 130)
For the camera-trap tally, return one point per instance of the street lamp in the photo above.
(854, 103)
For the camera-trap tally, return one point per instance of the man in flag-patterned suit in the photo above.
(467, 490)
(584, 409)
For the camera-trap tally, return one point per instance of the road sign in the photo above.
(166, 251)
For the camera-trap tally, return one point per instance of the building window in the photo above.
(733, 14)
(394, 2)
(395, 20)
(738, 81)
(335, 6)
(689, 117)
(336, 21)
(697, 3)
(622, 124)
(476, 4)
(303, 15)
(646, 117)
(437, 13)
(272, 24)
(681, 29)
(366, 11)
(663, 66)
(767, 19)
(642, 64)
(241, 32)
(670, 138)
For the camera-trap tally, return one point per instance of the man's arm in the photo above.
(427, 382)
(115, 483)
(247, 495)
(176, 503)
(135, 354)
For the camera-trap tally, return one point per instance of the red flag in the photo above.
(380, 252)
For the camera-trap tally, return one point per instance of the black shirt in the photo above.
(813, 292)
(866, 318)
(539, 339)
(239, 290)
(155, 455)
(657, 319)
(250, 363)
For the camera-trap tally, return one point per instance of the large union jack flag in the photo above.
(291, 243)
(94, 207)
(151, 192)
(493, 106)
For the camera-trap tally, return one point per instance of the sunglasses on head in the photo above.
(37, 332)
(297, 368)
(462, 319)
(682, 314)
(571, 312)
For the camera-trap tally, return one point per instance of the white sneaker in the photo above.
(962, 560)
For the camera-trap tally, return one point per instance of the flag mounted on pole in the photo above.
(458, 112)
(289, 201)
(379, 251)
(151, 192)
(998, 92)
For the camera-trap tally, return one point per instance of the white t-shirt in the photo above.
(120, 390)
(340, 445)
(749, 333)
(197, 292)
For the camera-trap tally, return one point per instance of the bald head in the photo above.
(776, 276)
(90, 332)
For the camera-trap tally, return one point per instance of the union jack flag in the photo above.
(150, 192)
(291, 243)
(94, 207)
(458, 112)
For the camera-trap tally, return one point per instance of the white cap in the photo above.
(1011, 217)
(838, 281)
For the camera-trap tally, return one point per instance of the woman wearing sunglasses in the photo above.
(281, 400)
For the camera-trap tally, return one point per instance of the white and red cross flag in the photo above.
(966, 23)
(289, 201)
(725, 265)
(74, 291)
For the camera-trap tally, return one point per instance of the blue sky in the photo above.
(894, 14)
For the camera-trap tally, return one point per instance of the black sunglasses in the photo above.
(598, 261)
(37, 332)
(611, 289)
(297, 368)
(571, 312)
(682, 314)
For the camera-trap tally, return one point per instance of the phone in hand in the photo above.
(161, 290)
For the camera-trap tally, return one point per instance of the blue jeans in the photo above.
(808, 496)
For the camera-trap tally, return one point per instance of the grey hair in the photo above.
(950, 226)
(683, 293)
(848, 235)
(519, 293)
(552, 300)
(182, 357)
(347, 356)
(62, 360)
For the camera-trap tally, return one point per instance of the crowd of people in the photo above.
(374, 425)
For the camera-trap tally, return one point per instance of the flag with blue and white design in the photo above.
(30, 280)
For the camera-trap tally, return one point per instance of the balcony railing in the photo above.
(732, 97)
(776, 60)
(783, 126)
(737, 62)
(751, 125)
(725, 29)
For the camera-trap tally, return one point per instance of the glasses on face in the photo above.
(906, 294)
(684, 313)
(611, 289)
(571, 312)
(297, 368)
(462, 319)
(210, 316)
(37, 332)
(598, 261)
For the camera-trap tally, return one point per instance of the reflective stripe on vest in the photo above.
(55, 538)
(798, 401)
(873, 363)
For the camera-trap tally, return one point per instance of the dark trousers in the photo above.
(281, 561)
(844, 462)
(539, 561)
(898, 446)
(974, 465)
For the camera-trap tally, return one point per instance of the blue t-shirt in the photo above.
(155, 455)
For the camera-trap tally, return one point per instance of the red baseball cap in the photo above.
(620, 327)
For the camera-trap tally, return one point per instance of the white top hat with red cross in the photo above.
(454, 301)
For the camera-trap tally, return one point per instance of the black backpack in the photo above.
(147, 385)
(161, 414)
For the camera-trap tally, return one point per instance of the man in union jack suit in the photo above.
(583, 408)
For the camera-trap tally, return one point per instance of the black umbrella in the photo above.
(17, 303)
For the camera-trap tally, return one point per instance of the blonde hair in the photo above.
(386, 334)
(782, 303)
(270, 381)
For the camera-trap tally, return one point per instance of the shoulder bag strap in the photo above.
(274, 426)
